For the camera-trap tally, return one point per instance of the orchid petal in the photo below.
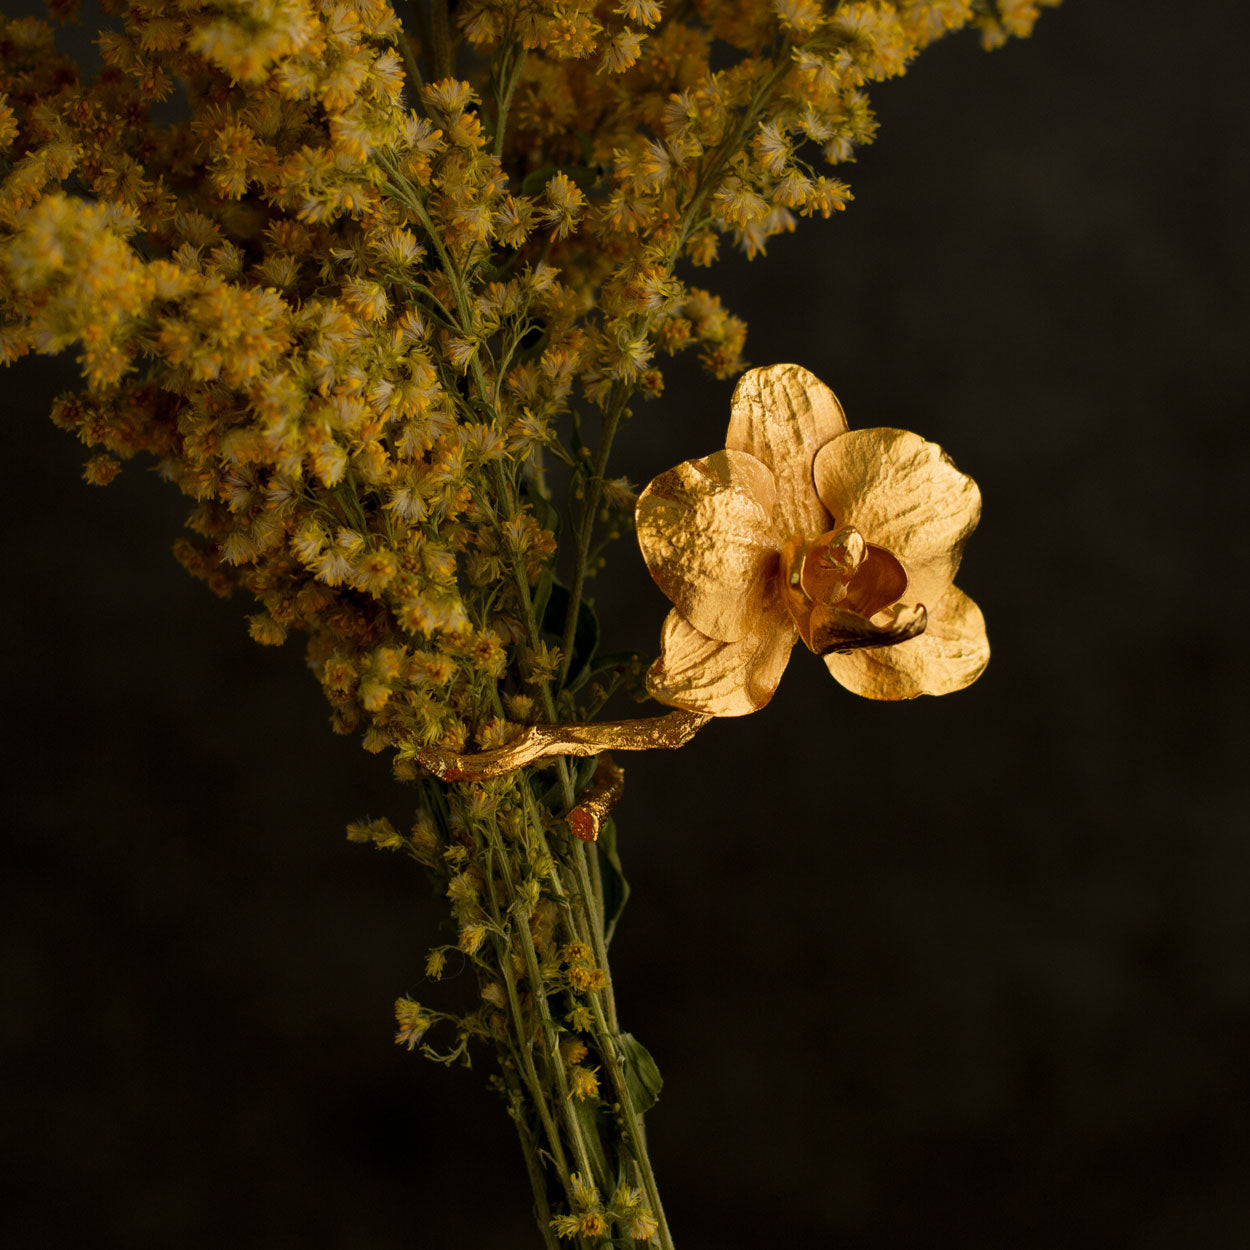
(904, 494)
(782, 415)
(951, 654)
(706, 533)
(717, 678)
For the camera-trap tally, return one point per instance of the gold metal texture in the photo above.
(849, 539)
(537, 743)
(597, 800)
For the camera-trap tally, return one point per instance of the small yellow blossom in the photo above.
(622, 51)
(566, 1226)
(640, 12)
(471, 938)
(414, 1022)
(592, 1224)
(799, 16)
(583, 1191)
(581, 1018)
(565, 202)
(642, 1226)
(380, 832)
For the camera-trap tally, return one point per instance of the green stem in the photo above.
(507, 505)
(596, 885)
(727, 149)
(594, 490)
(633, 1124)
(533, 1163)
(524, 1046)
(607, 1037)
(590, 899)
(410, 64)
(440, 40)
(549, 1032)
(505, 101)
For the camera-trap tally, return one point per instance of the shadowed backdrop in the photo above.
(968, 972)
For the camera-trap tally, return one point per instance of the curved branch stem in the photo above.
(594, 489)
(544, 742)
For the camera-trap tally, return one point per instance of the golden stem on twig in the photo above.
(544, 742)
(597, 800)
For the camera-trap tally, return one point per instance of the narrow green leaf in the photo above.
(612, 663)
(642, 1074)
(548, 516)
(585, 771)
(534, 182)
(590, 1120)
(542, 592)
(615, 886)
(545, 512)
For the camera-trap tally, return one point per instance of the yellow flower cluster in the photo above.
(345, 304)
(591, 1216)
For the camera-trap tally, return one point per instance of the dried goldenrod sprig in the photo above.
(348, 296)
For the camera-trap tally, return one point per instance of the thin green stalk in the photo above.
(532, 633)
(440, 40)
(548, 1029)
(632, 1119)
(592, 902)
(410, 64)
(571, 897)
(726, 150)
(606, 1041)
(407, 193)
(594, 489)
(596, 885)
(505, 101)
(606, 1035)
(537, 1091)
(533, 1165)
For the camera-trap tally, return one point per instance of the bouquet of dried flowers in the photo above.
(375, 287)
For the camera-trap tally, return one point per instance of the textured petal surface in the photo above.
(717, 678)
(904, 494)
(706, 533)
(951, 654)
(782, 415)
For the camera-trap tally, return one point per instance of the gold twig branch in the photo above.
(598, 799)
(545, 742)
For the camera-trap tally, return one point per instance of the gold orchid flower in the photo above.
(803, 528)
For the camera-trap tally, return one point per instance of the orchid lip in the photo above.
(836, 588)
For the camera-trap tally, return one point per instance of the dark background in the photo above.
(970, 972)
